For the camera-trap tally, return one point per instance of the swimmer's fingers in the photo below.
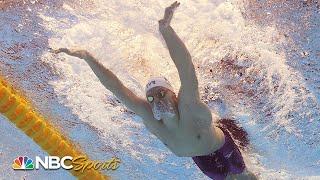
(168, 14)
(83, 54)
(169, 10)
(57, 51)
(174, 5)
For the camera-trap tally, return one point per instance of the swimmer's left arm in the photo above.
(181, 57)
(112, 83)
(188, 96)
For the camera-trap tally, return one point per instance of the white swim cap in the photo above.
(158, 81)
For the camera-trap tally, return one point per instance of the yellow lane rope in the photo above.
(20, 112)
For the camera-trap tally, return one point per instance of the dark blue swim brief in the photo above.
(219, 164)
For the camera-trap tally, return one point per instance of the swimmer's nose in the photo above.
(157, 101)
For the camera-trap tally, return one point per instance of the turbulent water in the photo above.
(256, 61)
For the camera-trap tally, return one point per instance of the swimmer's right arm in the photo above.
(112, 83)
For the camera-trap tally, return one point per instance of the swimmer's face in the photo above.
(163, 102)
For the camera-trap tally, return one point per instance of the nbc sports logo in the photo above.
(49, 162)
(23, 163)
(66, 162)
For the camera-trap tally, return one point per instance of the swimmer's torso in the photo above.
(188, 133)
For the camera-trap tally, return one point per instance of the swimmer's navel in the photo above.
(198, 136)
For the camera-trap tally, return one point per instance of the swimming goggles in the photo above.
(160, 94)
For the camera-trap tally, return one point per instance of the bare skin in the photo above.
(190, 132)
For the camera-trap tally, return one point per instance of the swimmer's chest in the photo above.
(185, 138)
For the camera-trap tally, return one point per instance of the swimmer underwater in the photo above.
(183, 123)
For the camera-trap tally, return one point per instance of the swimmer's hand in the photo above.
(77, 53)
(168, 14)
(57, 51)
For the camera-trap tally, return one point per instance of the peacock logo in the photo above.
(23, 163)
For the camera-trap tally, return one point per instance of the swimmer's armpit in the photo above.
(112, 83)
